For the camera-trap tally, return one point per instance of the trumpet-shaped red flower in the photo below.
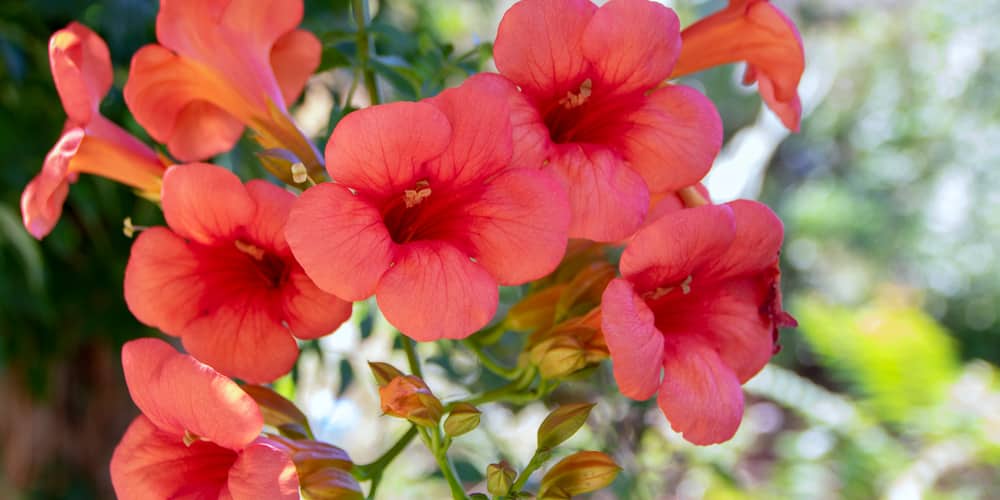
(220, 65)
(698, 302)
(90, 143)
(597, 111)
(428, 213)
(198, 435)
(756, 32)
(223, 278)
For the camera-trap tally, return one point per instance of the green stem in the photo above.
(537, 460)
(511, 392)
(489, 362)
(432, 438)
(374, 470)
(366, 49)
(411, 356)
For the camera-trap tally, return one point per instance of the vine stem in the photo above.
(539, 458)
(366, 49)
(375, 469)
(489, 362)
(411, 356)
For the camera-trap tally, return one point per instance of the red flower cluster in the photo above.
(432, 206)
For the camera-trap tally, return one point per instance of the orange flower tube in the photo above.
(756, 32)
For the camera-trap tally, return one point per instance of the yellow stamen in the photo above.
(250, 249)
(576, 100)
(413, 197)
(190, 438)
(299, 173)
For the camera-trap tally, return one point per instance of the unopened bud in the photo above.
(535, 311)
(279, 412)
(559, 356)
(409, 397)
(586, 288)
(499, 478)
(383, 372)
(562, 423)
(579, 473)
(462, 419)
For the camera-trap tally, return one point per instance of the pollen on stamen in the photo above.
(299, 173)
(574, 100)
(190, 438)
(686, 285)
(413, 197)
(252, 250)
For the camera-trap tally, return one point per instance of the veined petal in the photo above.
(263, 470)
(632, 44)
(178, 394)
(243, 338)
(481, 144)
(267, 227)
(355, 249)
(434, 291)
(151, 463)
(755, 248)
(608, 199)
(636, 346)
(163, 287)
(700, 395)
(518, 228)
(538, 45)
(669, 250)
(734, 325)
(673, 138)
(81, 68)
(311, 312)
(381, 150)
(206, 203)
(43, 197)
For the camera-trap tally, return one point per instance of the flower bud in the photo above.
(383, 372)
(279, 412)
(585, 289)
(562, 423)
(462, 419)
(324, 470)
(499, 478)
(409, 397)
(536, 311)
(579, 473)
(559, 356)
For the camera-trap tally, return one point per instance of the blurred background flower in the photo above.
(889, 388)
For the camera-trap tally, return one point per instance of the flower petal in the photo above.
(43, 197)
(608, 199)
(700, 396)
(81, 69)
(381, 150)
(632, 44)
(294, 58)
(788, 111)
(184, 105)
(673, 139)
(518, 228)
(263, 470)
(755, 248)
(178, 394)
(434, 291)
(309, 311)
(205, 203)
(741, 335)
(150, 463)
(272, 207)
(666, 252)
(244, 339)
(636, 346)
(532, 141)
(355, 249)
(163, 287)
(481, 143)
(538, 45)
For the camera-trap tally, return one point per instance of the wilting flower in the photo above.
(428, 213)
(698, 302)
(756, 32)
(90, 143)
(198, 435)
(220, 65)
(222, 277)
(597, 111)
